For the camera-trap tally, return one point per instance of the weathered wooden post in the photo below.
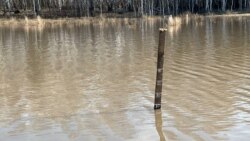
(159, 73)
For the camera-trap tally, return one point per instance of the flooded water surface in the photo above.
(96, 82)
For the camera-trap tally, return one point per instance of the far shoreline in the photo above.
(128, 15)
(105, 20)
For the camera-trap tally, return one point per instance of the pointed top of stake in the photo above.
(163, 29)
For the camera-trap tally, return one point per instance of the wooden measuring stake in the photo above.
(159, 71)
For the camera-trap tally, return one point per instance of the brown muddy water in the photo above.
(96, 82)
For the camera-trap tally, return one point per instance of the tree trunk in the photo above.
(142, 8)
(223, 6)
(232, 3)
(240, 5)
(207, 6)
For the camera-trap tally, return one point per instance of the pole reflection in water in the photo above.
(158, 124)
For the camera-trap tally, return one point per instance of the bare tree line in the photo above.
(137, 7)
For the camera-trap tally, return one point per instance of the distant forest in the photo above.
(80, 8)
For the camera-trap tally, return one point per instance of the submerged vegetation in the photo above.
(135, 8)
(174, 21)
(40, 23)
